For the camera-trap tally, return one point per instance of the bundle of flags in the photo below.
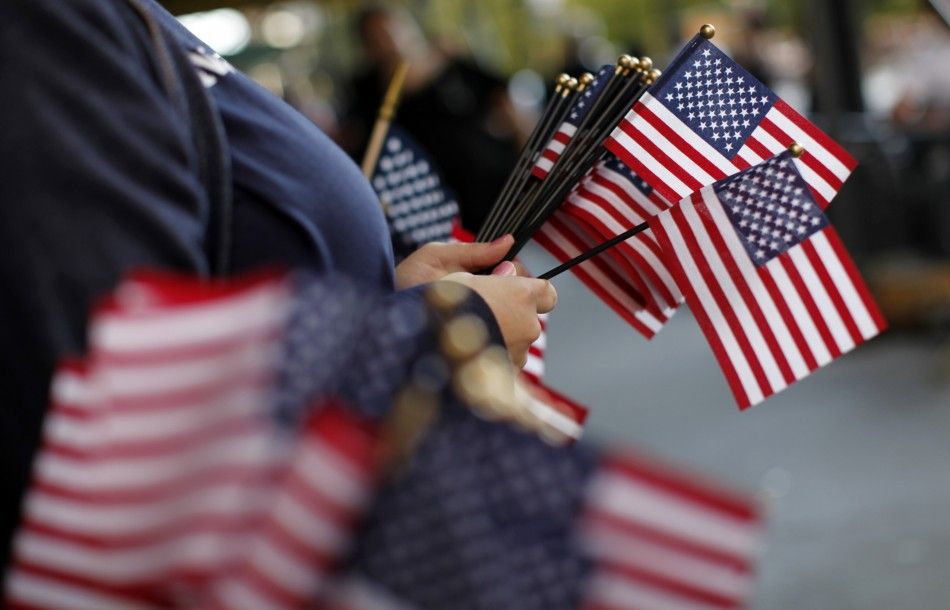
(243, 445)
(614, 191)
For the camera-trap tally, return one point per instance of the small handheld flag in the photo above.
(767, 277)
(707, 118)
(419, 206)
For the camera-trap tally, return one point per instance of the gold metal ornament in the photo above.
(464, 337)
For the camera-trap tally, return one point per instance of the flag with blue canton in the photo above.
(707, 118)
(419, 207)
(579, 111)
(716, 97)
(767, 277)
(770, 208)
(482, 518)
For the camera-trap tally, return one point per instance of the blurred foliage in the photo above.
(507, 35)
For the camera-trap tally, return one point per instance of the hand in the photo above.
(516, 303)
(434, 261)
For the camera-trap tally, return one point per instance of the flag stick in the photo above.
(624, 66)
(590, 150)
(386, 112)
(577, 167)
(549, 121)
(524, 175)
(577, 260)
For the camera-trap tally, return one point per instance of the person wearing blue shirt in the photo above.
(126, 143)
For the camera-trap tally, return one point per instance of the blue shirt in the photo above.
(101, 173)
(297, 196)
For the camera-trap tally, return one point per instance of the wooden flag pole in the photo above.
(385, 117)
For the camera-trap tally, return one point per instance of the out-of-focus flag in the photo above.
(566, 130)
(564, 417)
(534, 367)
(662, 538)
(485, 518)
(767, 277)
(611, 278)
(707, 118)
(418, 205)
(311, 514)
(165, 455)
(481, 518)
(612, 199)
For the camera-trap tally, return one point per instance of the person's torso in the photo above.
(298, 199)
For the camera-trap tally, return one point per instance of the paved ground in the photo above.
(856, 458)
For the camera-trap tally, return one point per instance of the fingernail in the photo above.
(500, 240)
(505, 268)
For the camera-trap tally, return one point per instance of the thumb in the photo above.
(475, 257)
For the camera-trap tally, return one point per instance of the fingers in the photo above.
(545, 296)
(475, 257)
(522, 271)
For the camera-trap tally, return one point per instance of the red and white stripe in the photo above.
(312, 513)
(608, 202)
(563, 417)
(661, 539)
(676, 161)
(609, 278)
(162, 477)
(154, 450)
(534, 367)
(552, 152)
(772, 325)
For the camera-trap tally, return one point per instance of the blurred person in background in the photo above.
(910, 86)
(458, 112)
(126, 143)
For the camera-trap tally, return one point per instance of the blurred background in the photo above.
(855, 460)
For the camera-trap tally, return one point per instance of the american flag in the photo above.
(707, 118)
(481, 518)
(663, 538)
(566, 130)
(611, 278)
(613, 199)
(534, 367)
(564, 417)
(484, 517)
(419, 207)
(163, 450)
(290, 559)
(767, 277)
